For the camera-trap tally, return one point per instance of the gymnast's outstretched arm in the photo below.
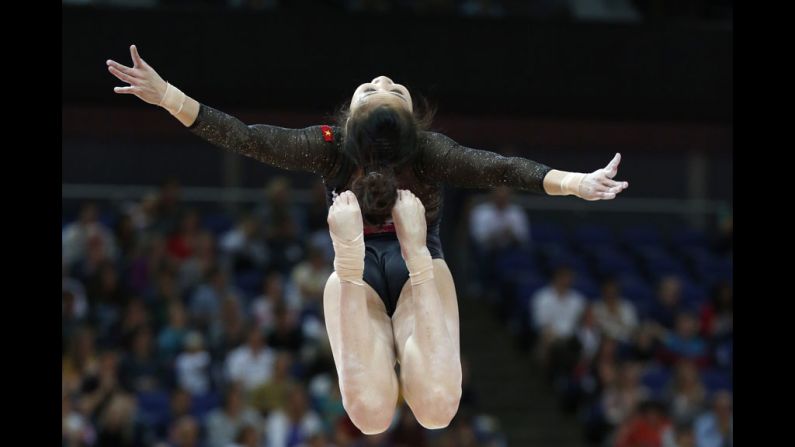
(443, 160)
(294, 149)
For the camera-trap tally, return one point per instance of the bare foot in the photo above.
(345, 217)
(410, 226)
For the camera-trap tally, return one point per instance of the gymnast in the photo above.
(391, 297)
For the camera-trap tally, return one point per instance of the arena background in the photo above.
(149, 209)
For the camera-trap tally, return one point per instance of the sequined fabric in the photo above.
(442, 161)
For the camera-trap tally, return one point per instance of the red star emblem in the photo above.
(328, 135)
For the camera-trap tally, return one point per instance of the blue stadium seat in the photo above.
(642, 236)
(716, 380)
(515, 262)
(656, 379)
(594, 235)
(250, 282)
(204, 404)
(693, 294)
(217, 223)
(154, 407)
(547, 233)
(635, 289)
(609, 261)
(689, 237)
(587, 286)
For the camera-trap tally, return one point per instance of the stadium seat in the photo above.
(688, 237)
(716, 380)
(547, 233)
(217, 223)
(656, 379)
(154, 407)
(641, 236)
(593, 235)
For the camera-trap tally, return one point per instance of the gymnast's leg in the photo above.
(425, 323)
(360, 331)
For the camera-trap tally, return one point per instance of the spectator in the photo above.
(620, 400)
(172, 337)
(180, 406)
(224, 423)
(684, 343)
(166, 295)
(686, 393)
(185, 432)
(615, 316)
(243, 247)
(286, 334)
(645, 427)
(76, 237)
(679, 435)
(198, 265)
(229, 330)
(556, 309)
(81, 360)
(140, 369)
(135, 315)
(76, 429)
(717, 316)
(168, 207)
(644, 345)
(118, 425)
(316, 225)
(295, 423)
(497, 223)
(206, 301)
(273, 394)
(145, 268)
(126, 236)
(182, 242)
(280, 218)
(668, 304)
(251, 364)
(263, 306)
(248, 436)
(192, 366)
(310, 277)
(588, 334)
(715, 428)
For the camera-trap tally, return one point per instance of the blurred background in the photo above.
(193, 278)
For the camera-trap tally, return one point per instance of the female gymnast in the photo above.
(391, 297)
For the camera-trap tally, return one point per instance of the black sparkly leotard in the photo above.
(316, 149)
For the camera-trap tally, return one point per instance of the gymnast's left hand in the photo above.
(599, 185)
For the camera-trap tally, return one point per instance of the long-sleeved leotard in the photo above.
(441, 160)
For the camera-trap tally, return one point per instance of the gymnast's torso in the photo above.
(317, 149)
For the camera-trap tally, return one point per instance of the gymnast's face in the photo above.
(381, 91)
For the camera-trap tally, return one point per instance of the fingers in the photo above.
(137, 61)
(121, 75)
(129, 90)
(118, 66)
(612, 167)
(614, 185)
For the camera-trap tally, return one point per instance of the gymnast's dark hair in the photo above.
(381, 141)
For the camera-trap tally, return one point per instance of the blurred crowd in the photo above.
(577, 9)
(187, 328)
(633, 328)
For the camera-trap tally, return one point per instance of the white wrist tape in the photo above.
(173, 99)
(571, 183)
(420, 269)
(349, 259)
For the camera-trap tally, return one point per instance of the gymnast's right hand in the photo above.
(144, 81)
